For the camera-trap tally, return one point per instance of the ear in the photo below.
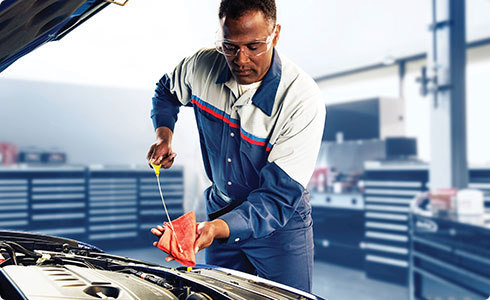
(276, 36)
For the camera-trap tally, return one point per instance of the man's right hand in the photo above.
(160, 152)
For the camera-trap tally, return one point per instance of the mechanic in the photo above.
(260, 120)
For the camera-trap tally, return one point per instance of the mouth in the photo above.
(242, 72)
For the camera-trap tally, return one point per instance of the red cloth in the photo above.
(185, 230)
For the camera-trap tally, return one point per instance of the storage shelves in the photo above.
(389, 189)
(107, 207)
(388, 193)
(338, 228)
(44, 200)
(58, 203)
(14, 203)
(113, 206)
(449, 260)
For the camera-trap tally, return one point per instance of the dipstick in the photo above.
(157, 173)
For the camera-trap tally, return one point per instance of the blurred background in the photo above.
(406, 131)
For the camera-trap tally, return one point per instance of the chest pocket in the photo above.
(253, 158)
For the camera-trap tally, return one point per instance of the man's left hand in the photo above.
(158, 231)
(208, 231)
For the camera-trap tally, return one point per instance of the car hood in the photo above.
(41, 267)
(27, 24)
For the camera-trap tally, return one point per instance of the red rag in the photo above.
(185, 230)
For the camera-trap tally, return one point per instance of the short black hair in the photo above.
(237, 8)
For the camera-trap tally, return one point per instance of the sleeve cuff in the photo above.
(163, 120)
(239, 227)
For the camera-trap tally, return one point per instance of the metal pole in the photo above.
(446, 67)
(401, 79)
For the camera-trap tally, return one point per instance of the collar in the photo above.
(266, 93)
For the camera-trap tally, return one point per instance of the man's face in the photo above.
(243, 31)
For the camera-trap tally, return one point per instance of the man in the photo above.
(260, 121)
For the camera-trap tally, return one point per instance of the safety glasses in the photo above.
(253, 48)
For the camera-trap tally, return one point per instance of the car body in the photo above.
(41, 267)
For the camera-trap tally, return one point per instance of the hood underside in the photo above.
(27, 24)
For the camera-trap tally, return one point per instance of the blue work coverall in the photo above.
(259, 150)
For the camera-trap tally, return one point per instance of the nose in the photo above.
(241, 58)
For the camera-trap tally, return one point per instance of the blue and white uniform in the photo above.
(259, 149)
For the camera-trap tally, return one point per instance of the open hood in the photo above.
(27, 24)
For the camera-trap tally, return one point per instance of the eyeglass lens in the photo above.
(250, 49)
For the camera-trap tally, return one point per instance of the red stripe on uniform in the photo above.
(206, 109)
(217, 115)
(235, 125)
(226, 120)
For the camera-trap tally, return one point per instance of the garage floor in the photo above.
(329, 281)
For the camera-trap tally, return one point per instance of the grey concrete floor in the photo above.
(329, 281)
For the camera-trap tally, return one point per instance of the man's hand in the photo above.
(160, 152)
(208, 231)
(158, 231)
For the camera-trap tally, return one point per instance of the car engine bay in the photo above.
(45, 267)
